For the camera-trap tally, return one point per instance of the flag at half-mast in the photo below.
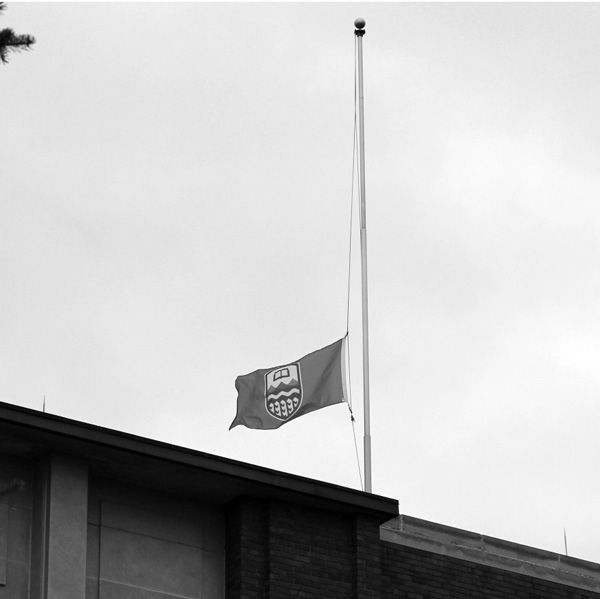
(270, 397)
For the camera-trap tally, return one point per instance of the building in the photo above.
(88, 512)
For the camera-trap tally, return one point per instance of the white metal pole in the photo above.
(359, 32)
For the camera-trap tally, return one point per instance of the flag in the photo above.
(270, 397)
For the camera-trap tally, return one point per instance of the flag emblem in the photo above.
(283, 391)
(270, 397)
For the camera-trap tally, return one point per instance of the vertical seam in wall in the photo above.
(355, 552)
(99, 545)
(46, 503)
(268, 538)
(44, 527)
(29, 553)
(4, 525)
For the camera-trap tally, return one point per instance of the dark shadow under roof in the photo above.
(28, 434)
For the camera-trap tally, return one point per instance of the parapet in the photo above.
(492, 552)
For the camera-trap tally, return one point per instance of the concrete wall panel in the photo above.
(19, 534)
(91, 588)
(213, 575)
(162, 526)
(3, 541)
(67, 528)
(147, 562)
(113, 590)
(93, 552)
(212, 521)
(145, 544)
(18, 581)
(16, 504)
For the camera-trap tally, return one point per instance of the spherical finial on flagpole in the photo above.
(360, 27)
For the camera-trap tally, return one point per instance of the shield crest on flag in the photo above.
(283, 391)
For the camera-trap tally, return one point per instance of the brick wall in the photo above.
(416, 574)
(246, 559)
(310, 553)
(277, 550)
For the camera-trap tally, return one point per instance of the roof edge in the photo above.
(489, 551)
(96, 435)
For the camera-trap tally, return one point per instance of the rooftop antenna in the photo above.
(565, 536)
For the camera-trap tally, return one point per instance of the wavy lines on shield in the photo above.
(273, 395)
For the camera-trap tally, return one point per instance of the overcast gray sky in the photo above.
(175, 184)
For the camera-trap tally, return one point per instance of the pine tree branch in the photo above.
(10, 42)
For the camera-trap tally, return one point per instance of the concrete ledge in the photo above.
(492, 552)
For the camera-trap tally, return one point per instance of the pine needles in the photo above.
(11, 42)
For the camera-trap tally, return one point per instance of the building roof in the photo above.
(27, 433)
(489, 551)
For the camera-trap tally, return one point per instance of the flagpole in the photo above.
(359, 32)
